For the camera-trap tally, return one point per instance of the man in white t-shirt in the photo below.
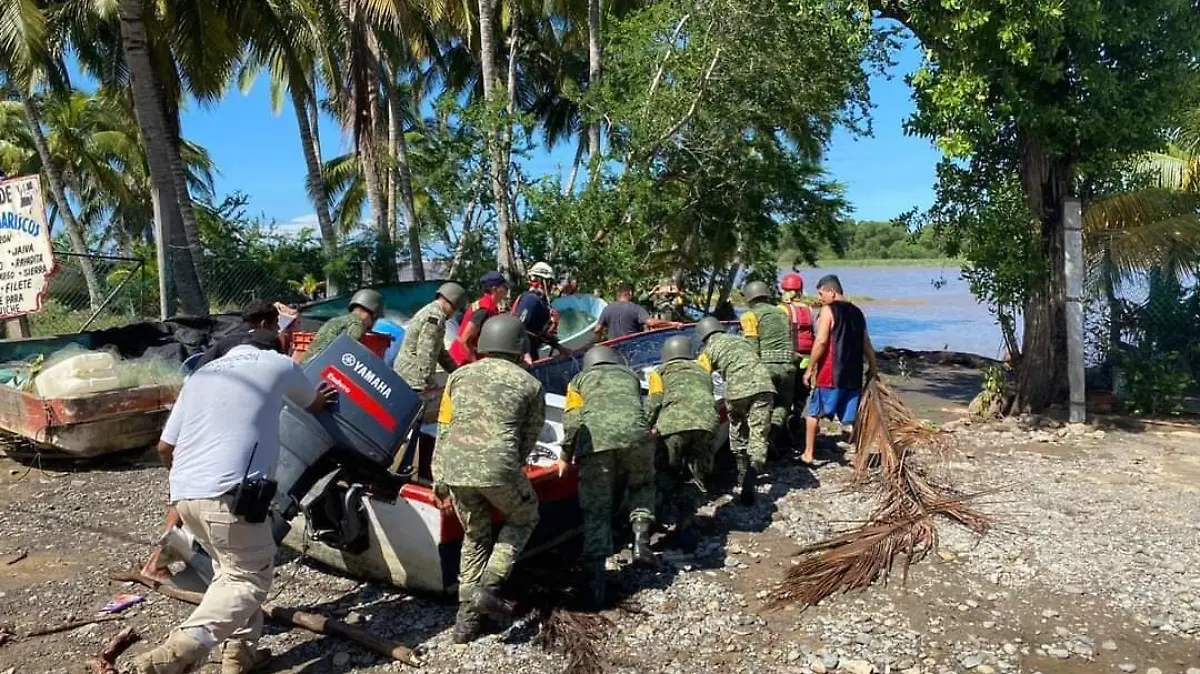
(223, 429)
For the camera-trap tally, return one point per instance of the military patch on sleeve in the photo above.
(433, 320)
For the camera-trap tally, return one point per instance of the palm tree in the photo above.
(26, 57)
(594, 62)
(282, 38)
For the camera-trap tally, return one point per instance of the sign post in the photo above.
(26, 256)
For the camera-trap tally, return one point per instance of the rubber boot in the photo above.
(240, 657)
(177, 655)
(686, 534)
(749, 479)
(594, 581)
(486, 598)
(467, 624)
(642, 554)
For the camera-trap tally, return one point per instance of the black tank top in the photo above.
(842, 366)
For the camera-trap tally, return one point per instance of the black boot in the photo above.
(594, 581)
(686, 535)
(466, 624)
(749, 479)
(641, 542)
(486, 598)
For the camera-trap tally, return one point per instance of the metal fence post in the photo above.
(1074, 269)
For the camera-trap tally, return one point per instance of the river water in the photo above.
(922, 308)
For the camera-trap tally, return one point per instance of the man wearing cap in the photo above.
(424, 344)
(490, 303)
(801, 318)
(258, 317)
(533, 309)
(365, 307)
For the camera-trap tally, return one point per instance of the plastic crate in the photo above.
(376, 342)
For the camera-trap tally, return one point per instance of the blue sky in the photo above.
(259, 153)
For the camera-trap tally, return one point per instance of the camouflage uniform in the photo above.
(605, 430)
(424, 348)
(348, 324)
(682, 408)
(768, 328)
(491, 415)
(748, 396)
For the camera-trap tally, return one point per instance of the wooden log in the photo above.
(313, 622)
(68, 626)
(105, 662)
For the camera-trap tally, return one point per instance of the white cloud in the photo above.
(296, 224)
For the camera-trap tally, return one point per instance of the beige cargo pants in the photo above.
(243, 556)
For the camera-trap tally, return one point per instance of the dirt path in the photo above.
(1093, 567)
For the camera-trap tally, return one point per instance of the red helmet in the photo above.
(792, 281)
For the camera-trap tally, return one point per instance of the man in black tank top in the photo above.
(835, 370)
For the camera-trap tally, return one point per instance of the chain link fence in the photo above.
(121, 291)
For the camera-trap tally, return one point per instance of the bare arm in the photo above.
(869, 352)
(166, 453)
(820, 344)
(657, 323)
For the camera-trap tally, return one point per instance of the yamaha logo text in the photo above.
(361, 369)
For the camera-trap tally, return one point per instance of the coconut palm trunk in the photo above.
(74, 231)
(403, 176)
(505, 255)
(594, 62)
(315, 182)
(152, 122)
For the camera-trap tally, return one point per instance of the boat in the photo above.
(578, 315)
(110, 421)
(373, 515)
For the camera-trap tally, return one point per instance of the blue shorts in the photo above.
(834, 402)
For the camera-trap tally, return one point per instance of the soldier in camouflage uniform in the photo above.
(748, 398)
(491, 415)
(768, 328)
(365, 307)
(605, 432)
(684, 415)
(424, 346)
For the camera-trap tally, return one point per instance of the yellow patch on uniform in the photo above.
(705, 362)
(574, 400)
(749, 324)
(655, 384)
(446, 409)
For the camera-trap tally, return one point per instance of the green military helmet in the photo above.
(371, 300)
(756, 290)
(455, 294)
(502, 334)
(602, 354)
(707, 327)
(678, 347)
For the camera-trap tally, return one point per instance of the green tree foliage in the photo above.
(715, 148)
(1049, 92)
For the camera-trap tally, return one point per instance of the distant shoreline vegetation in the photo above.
(875, 244)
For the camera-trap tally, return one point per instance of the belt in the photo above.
(778, 357)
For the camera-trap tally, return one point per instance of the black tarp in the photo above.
(172, 340)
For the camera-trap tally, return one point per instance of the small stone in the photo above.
(341, 659)
(793, 655)
(971, 661)
(859, 667)
(989, 624)
(1082, 650)
(1193, 670)
(817, 667)
(972, 603)
(1049, 613)
(830, 661)
(1127, 667)
(353, 618)
(1111, 645)
(1010, 649)
(985, 669)
(1073, 589)
(1062, 631)
(1060, 653)
(1154, 670)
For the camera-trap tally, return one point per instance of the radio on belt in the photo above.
(374, 408)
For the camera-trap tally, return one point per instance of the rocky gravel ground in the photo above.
(1093, 566)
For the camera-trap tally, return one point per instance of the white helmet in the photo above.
(542, 270)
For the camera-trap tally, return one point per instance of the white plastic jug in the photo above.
(74, 387)
(83, 365)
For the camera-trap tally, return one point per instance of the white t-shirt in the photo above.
(225, 409)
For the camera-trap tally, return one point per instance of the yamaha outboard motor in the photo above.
(328, 461)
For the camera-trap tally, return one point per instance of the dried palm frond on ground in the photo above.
(902, 523)
(576, 636)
